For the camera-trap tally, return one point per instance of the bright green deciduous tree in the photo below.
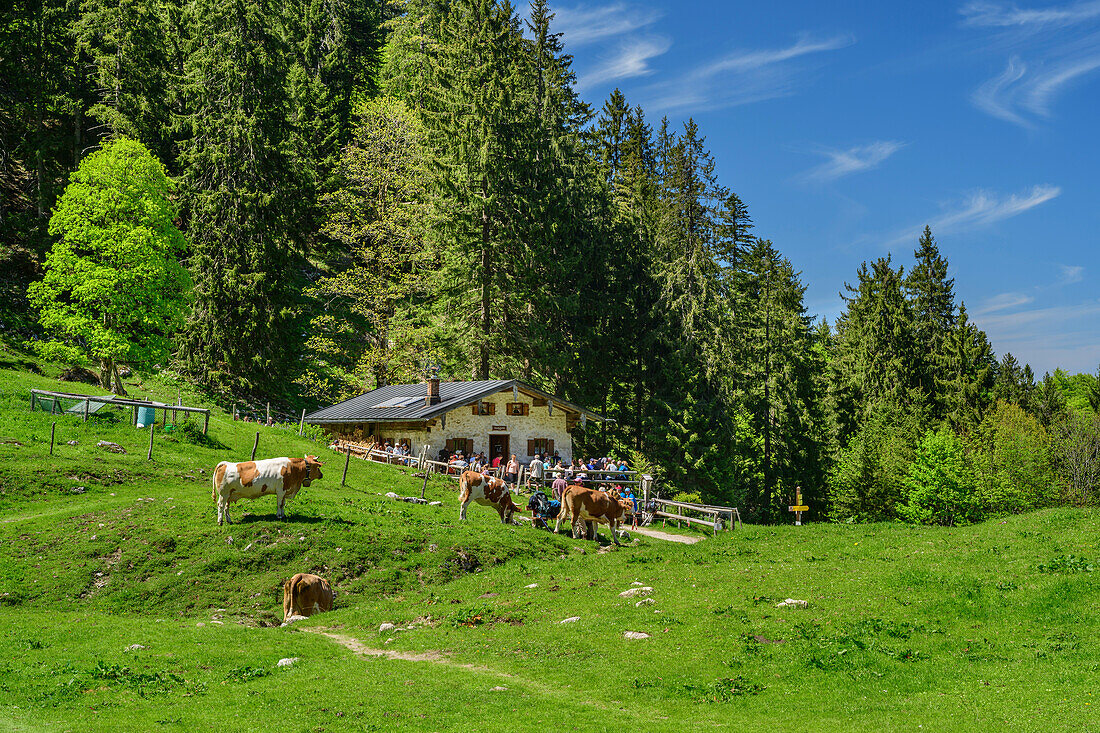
(1014, 461)
(114, 289)
(941, 485)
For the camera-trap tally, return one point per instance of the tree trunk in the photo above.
(486, 281)
(119, 389)
(767, 498)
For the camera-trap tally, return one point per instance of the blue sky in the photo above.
(846, 127)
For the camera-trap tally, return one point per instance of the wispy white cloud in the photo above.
(742, 77)
(998, 15)
(1004, 301)
(1071, 274)
(1051, 48)
(980, 209)
(584, 24)
(1018, 94)
(631, 59)
(856, 159)
(996, 98)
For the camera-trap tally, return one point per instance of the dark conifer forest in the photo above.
(368, 191)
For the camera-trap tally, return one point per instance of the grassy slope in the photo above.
(945, 628)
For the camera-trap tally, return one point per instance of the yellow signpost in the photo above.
(798, 507)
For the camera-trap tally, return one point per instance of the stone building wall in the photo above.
(462, 423)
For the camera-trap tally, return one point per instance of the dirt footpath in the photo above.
(658, 534)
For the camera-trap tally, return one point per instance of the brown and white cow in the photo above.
(590, 506)
(487, 491)
(305, 595)
(279, 476)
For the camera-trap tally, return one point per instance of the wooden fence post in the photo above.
(347, 460)
(255, 446)
(86, 403)
(268, 413)
(425, 468)
(32, 400)
(52, 431)
(152, 428)
(233, 414)
(206, 424)
(302, 422)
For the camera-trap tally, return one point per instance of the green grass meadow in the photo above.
(989, 627)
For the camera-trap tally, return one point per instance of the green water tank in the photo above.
(146, 416)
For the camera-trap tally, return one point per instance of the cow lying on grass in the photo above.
(590, 506)
(279, 476)
(487, 491)
(305, 595)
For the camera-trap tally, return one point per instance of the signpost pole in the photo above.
(798, 507)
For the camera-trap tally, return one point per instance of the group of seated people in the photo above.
(400, 451)
(573, 471)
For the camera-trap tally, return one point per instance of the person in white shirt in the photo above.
(536, 468)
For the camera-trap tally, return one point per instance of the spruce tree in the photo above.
(127, 45)
(240, 199)
(475, 122)
(1008, 384)
(873, 361)
(778, 362)
(932, 301)
(969, 374)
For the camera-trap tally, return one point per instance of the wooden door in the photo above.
(498, 445)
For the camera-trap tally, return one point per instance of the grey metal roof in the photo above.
(406, 408)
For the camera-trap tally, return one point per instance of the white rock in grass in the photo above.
(570, 620)
(386, 627)
(635, 592)
(134, 647)
(286, 662)
(645, 602)
(498, 688)
(392, 495)
(200, 624)
(637, 583)
(533, 585)
(792, 603)
(635, 635)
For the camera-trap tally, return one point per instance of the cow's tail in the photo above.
(214, 481)
(290, 595)
(566, 509)
(463, 488)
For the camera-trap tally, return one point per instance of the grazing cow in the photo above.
(280, 476)
(305, 595)
(487, 491)
(591, 506)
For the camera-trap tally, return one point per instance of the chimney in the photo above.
(433, 392)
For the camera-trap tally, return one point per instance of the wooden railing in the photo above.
(716, 512)
(56, 397)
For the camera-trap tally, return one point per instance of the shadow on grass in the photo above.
(290, 519)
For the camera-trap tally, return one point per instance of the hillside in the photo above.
(984, 627)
